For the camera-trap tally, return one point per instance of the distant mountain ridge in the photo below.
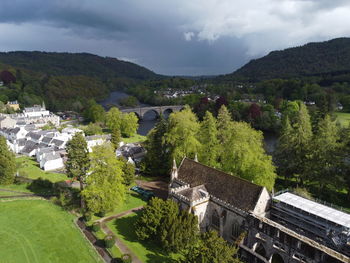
(328, 57)
(60, 64)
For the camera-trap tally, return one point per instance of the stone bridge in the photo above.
(158, 110)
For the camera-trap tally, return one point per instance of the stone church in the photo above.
(280, 228)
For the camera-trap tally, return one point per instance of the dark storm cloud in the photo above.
(171, 37)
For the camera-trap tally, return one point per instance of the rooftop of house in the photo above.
(230, 189)
(29, 146)
(52, 156)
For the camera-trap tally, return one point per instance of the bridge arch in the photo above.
(151, 110)
(167, 112)
(276, 258)
(260, 249)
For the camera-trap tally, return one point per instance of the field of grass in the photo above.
(28, 167)
(132, 200)
(343, 118)
(38, 231)
(14, 187)
(135, 138)
(114, 251)
(146, 251)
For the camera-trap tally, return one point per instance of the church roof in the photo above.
(231, 189)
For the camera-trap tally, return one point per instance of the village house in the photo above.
(13, 105)
(277, 228)
(132, 152)
(95, 140)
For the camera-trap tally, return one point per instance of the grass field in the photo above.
(343, 118)
(146, 251)
(28, 167)
(132, 200)
(38, 231)
(135, 138)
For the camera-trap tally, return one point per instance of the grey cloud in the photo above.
(171, 37)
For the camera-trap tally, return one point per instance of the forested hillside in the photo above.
(65, 81)
(329, 57)
(75, 64)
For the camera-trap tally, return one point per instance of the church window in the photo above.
(235, 229)
(215, 220)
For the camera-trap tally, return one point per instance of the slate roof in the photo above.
(57, 142)
(21, 142)
(29, 146)
(34, 135)
(231, 189)
(195, 193)
(52, 156)
(46, 139)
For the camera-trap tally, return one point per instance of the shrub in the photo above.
(96, 226)
(87, 216)
(126, 258)
(109, 241)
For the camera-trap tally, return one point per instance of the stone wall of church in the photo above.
(231, 223)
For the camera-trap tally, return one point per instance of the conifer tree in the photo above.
(115, 138)
(158, 157)
(224, 122)
(78, 161)
(211, 248)
(7, 163)
(324, 158)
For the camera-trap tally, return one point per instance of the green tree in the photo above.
(158, 157)
(293, 147)
(128, 173)
(7, 163)
(178, 231)
(104, 189)
(152, 216)
(182, 134)
(244, 156)
(115, 138)
(224, 123)
(324, 158)
(78, 161)
(211, 248)
(129, 124)
(208, 138)
(92, 129)
(94, 112)
(114, 119)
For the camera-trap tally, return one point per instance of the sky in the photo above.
(181, 37)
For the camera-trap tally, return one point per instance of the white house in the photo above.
(95, 140)
(52, 161)
(36, 111)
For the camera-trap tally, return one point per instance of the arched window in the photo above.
(215, 219)
(236, 229)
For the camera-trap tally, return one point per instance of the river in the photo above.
(149, 121)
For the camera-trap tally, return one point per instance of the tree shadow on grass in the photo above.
(125, 227)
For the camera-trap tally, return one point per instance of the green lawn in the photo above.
(28, 167)
(135, 138)
(132, 200)
(38, 231)
(146, 251)
(114, 251)
(343, 118)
